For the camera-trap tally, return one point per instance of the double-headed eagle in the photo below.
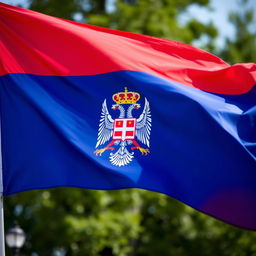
(124, 130)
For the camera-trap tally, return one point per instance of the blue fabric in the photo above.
(201, 144)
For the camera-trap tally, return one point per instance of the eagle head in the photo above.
(136, 106)
(115, 106)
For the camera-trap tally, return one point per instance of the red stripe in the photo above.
(35, 43)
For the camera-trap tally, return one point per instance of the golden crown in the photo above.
(126, 97)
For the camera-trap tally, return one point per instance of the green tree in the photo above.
(67, 9)
(242, 47)
(152, 17)
(81, 222)
(76, 221)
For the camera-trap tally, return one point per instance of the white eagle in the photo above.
(139, 129)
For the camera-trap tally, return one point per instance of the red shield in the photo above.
(124, 129)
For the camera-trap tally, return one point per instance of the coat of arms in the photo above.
(125, 131)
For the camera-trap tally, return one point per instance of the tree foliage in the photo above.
(242, 47)
(126, 222)
(152, 17)
(79, 222)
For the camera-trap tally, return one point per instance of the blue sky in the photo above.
(218, 15)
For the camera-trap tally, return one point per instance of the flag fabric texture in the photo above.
(96, 108)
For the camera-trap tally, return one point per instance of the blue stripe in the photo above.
(201, 143)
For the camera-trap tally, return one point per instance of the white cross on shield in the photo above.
(124, 129)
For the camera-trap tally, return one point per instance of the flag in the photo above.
(90, 107)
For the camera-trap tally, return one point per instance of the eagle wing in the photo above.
(105, 126)
(143, 125)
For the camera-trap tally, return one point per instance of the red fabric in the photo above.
(38, 44)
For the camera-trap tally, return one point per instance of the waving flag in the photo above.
(97, 108)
